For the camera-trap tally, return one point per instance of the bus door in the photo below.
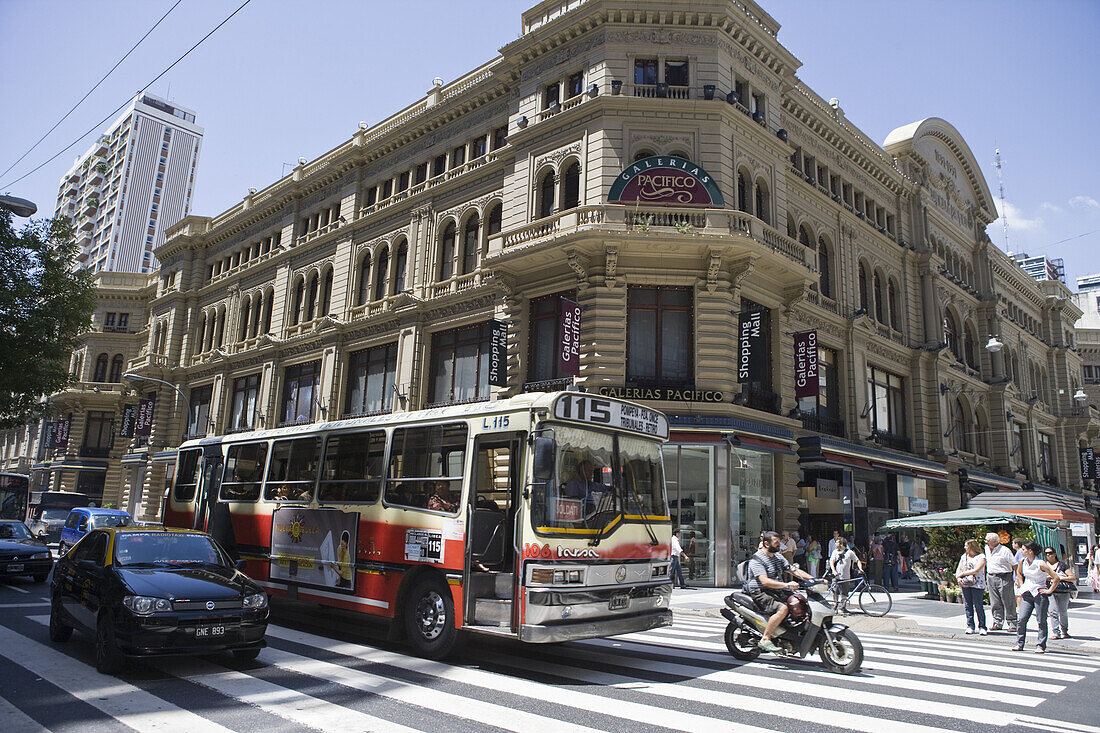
(491, 531)
(210, 479)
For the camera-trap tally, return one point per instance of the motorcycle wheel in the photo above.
(844, 655)
(741, 644)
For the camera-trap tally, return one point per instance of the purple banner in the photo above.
(806, 381)
(569, 350)
(61, 432)
(144, 424)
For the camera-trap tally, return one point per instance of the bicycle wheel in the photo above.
(874, 600)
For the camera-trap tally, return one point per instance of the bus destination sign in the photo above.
(598, 410)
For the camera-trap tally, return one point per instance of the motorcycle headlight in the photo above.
(256, 600)
(145, 605)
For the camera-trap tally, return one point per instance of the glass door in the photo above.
(689, 476)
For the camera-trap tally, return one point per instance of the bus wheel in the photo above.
(429, 618)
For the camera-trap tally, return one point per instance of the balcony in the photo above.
(758, 398)
(458, 284)
(889, 440)
(662, 91)
(822, 424)
(91, 451)
(548, 385)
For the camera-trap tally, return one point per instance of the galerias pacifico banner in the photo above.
(569, 353)
(806, 381)
(752, 345)
(61, 432)
(144, 423)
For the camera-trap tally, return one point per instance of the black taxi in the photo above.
(151, 591)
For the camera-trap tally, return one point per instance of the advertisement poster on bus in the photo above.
(314, 547)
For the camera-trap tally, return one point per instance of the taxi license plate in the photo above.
(15, 567)
(619, 601)
(202, 632)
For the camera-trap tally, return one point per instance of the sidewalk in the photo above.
(912, 614)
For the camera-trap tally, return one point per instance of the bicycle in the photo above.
(873, 600)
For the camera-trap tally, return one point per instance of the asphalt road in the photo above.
(315, 677)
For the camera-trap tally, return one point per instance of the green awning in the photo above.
(957, 518)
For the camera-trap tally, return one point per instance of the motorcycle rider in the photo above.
(763, 585)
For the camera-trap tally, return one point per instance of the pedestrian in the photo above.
(890, 561)
(813, 555)
(1059, 607)
(971, 575)
(840, 565)
(787, 547)
(876, 560)
(832, 543)
(1094, 569)
(690, 550)
(903, 557)
(999, 571)
(1031, 577)
(799, 550)
(677, 554)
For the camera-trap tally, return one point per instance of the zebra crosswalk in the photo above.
(675, 678)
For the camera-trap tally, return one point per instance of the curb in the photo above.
(895, 625)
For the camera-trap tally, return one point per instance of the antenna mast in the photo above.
(1001, 187)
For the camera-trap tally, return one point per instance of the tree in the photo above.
(44, 307)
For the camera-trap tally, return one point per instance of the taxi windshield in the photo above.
(598, 477)
(166, 549)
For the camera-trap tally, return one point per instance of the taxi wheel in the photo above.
(59, 630)
(107, 657)
(430, 619)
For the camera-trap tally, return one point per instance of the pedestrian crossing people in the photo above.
(999, 568)
(1059, 599)
(1034, 594)
(971, 575)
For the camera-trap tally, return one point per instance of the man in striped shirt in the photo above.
(763, 585)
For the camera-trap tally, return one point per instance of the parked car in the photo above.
(21, 553)
(49, 515)
(152, 591)
(84, 519)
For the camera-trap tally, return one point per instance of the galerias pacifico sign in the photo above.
(665, 180)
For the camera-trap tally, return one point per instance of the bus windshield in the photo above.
(599, 477)
(13, 496)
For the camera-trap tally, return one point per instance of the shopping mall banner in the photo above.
(498, 353)
(129, 419)
(569, 349)
(752, 347)
(1088, 463)
(806, 381)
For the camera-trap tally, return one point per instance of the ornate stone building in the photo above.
(372, 278)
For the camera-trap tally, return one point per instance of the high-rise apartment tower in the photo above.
(133, 183)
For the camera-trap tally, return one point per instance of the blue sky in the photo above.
(287, 78)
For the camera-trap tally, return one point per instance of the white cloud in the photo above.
(1053, 208)
(1084, 202)
(1016, 219)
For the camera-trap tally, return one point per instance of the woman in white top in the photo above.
(971, 575)
(1031, 586)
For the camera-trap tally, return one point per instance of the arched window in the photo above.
(825, 268)
(257, 307)
(959, 429)
(399, 267)
(470, 244)
(804, 237)
(246, 312)
(981, 433)
(892, 296)
(951, 335)
(495, 217)
(571, 195)
(220, 333)
(299, 297)
(100, 374)
(643, 154)
(269, 305)
(447, 252)
(311, 298)
(326, 295)
(116, 369)
(380, 272)
(880, 302)
(743, 194)
(546, 194)
(364, 281)
(864, 295)
(762, 202)
(969, 340)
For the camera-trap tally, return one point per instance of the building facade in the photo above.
(136, 180)
(1041, 267)
(832, 334)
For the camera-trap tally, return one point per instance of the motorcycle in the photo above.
(808, 627)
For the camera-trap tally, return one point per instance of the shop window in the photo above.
(460, 365)
(544, 337)
(371, 380)
(352, 469)
(659, 336)
(886, 393)
(244, 472)
(300, 386)
(689, 480)
(245, 400)
(198, 421)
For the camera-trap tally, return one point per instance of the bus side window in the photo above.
(187, 475)
(352, 469)
(293, 469)
(426, 467)
(244, 471)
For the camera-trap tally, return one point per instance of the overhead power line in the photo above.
(117, 109)
(101, 80)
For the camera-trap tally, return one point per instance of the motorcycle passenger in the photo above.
(768, 592)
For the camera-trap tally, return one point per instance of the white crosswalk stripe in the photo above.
(679, 677)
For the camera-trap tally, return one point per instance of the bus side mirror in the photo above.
(543, 460)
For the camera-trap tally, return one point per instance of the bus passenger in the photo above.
(441, 499)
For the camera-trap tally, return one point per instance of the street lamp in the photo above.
(133, 377)
(18, 206)
(993, 345)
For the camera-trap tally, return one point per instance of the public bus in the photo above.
(15, 494)
(542, 517)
